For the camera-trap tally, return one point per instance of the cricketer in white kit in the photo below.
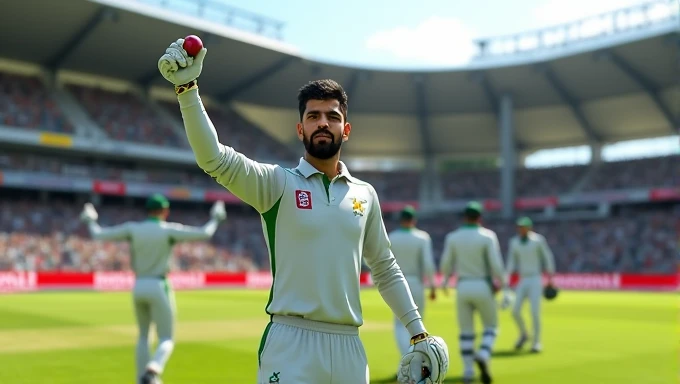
(412, 248)
(151, 242)
(473, 252)
(319, 222)
(530, 256)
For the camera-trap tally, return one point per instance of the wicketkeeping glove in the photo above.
(218, 212)
(507, 299)
(89, 213)
(426, 362)
(178, 67)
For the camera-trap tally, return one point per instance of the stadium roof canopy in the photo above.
(614, 86)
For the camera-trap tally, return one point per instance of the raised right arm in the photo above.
(258, 185)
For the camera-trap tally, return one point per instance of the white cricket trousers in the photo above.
(154, 302)
(475, 295)
(298, 351)
(530, 287)
(401, 334)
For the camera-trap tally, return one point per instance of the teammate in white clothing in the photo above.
(412, 248)
(319, 222)
(530, 255)
(151, 242)
(473, 252)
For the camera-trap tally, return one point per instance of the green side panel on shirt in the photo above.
(326, 183)
(270, 222)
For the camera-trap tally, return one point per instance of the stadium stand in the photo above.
(26, 103)
(40, 229)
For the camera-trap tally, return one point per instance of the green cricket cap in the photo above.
(525, 222)
(474, 206)
(408, 212)
(156, 202)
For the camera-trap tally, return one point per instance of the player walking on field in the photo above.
(474, 253)
(412, 249)
(530, 255)
(319, 222)
(151, 243)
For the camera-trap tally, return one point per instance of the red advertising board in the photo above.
(105, 187)
(120, 281)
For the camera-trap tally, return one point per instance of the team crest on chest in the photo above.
(303, 199)
(358, 206)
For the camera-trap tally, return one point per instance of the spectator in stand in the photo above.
(26, 103)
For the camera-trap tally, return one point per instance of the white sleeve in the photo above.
(448, 260)
(386, 272)
(116, 232)
(428, 260)
(258, 185)
(548, 258)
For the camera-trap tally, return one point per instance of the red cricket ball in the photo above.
(193, 45)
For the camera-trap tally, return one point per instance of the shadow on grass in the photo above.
(393, 380)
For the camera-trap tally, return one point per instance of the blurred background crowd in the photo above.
(45, 234)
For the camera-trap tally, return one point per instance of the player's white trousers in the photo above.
(401, 334)
(298, 351)
(154, 301)
(475, 295)
(529, 287)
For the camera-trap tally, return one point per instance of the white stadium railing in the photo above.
(226, 14)
(635, 18)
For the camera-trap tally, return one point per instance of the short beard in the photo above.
(321, 151)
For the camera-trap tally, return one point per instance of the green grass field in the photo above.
(74, 338)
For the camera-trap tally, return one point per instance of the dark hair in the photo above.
(322, 90)
(471, 214)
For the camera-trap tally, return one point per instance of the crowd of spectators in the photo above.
(636, 238)
(391, 186)
(26, 103)
(38, 235)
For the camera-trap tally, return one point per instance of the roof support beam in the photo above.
(256, 78)
(652, 89)
(573, 103)
(352, 84)
(494, 101)
(423, 115)
(104, 13)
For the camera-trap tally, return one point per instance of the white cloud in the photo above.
(436, 41)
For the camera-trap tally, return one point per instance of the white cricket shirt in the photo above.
(317, 230)
(151, 241)
(412, 248)
(530, 257)
(474, 253)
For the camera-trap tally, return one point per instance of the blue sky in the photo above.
(434, 34)
(407, 34)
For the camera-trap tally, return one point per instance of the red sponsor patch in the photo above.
(303, 199)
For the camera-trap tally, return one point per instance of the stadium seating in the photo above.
(26, 103)
(125, 118)
(35, 234)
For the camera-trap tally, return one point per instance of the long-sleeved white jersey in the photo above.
(317, 229)
(151, 241)
(412, 248)
(473, 252)
(531, 256)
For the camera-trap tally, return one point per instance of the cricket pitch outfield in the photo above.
(89, 337)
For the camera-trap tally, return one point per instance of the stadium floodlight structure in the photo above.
(227, 14)
(619, 24)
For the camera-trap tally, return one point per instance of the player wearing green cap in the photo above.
(530, 255)
(151, 242)
(473, 252)
(412, 248)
